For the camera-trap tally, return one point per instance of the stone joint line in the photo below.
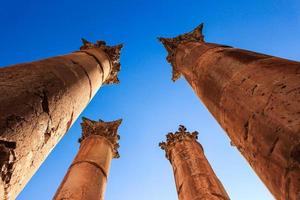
(92, 163)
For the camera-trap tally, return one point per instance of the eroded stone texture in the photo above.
(194, 177)
(87, 175)
(39, 102)
(254, 97)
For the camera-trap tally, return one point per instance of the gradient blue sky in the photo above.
(147, 100)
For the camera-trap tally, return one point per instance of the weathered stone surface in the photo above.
(39, 102)
(87, 175)
(256, 99)
(194, 177)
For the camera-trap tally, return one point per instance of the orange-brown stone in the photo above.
(254, 97)
(87, 175)
(194, 177)
(39, 102)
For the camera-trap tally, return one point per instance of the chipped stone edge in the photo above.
(8, 158)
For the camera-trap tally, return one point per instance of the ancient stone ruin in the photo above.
(39, 102)
(194, 177)
(254, 97)
(88, 173)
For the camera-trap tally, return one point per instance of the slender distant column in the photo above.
(254, 97)
(39, 101)
(194, 177)
(87, 175)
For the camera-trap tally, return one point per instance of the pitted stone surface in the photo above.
(194, 177)
(39, 102)
(255, 98)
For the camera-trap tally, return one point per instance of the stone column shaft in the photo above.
(39, 102)
(254, 97)
(194, 177)
(87, 175)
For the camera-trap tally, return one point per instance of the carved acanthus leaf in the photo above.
(171, 45)
(113, 52)
(109, 130)
(179, 136)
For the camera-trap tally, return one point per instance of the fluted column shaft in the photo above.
(194, 177)
(87, 176)
(254, 97)
(39, 102)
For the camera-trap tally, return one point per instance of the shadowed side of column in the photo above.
(254, 97)
(194, 177)
(88, 173)
(39, 102)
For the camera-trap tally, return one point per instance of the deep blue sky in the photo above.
(147, 100)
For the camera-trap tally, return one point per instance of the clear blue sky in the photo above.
(150, 104)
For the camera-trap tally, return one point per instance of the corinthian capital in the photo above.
(173, 138)
(113, 52)
(109, 130)
(171, 45)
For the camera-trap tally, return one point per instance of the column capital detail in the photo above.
(171, 45)
(179, 136)
(113, 52)
(109, 130)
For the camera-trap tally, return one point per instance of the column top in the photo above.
(113, 52)
(179, 136)
(171, 45)
(109, 130)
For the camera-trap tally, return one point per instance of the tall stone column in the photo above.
(87, 175)
(194, 177)
(39, 102)
(254, 97)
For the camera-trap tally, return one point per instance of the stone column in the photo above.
(39, 102)
(194, 177)
(87, 175)
(254, 97)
